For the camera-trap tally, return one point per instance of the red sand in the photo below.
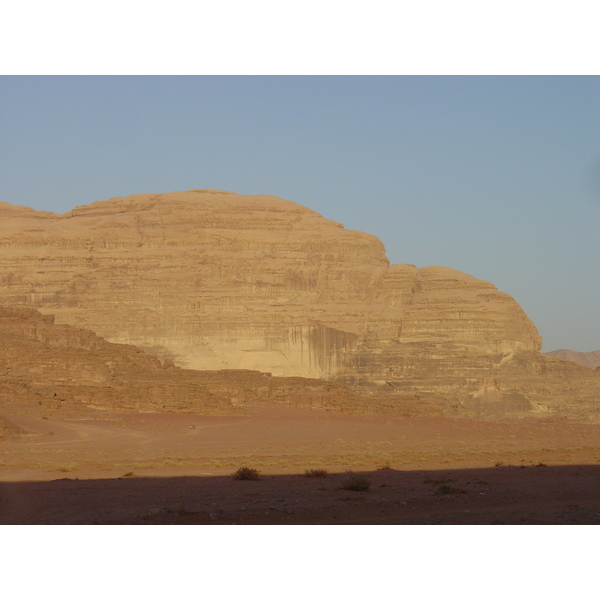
(155, 468)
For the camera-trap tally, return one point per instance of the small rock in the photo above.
(214, 516)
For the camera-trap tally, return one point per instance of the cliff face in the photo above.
(212, 280)
(215, 280)
(49, 366)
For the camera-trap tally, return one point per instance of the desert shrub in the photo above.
(356, 482)
(247, 474)
(386, 466)
(446, 488)
(315, 473)
(67, 468)
(438, 481)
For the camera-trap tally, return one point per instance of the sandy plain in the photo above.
(176, 469)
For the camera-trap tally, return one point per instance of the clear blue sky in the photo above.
(495, 176)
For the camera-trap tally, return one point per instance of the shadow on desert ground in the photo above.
(500, 495)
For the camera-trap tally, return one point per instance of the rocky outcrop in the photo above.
(587, 359)
(211, 280)
(49, 366)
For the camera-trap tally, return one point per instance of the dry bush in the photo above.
(386, 466)
(315, 473)
(356, 482)
(446, 488)
(64, 468)
(246, 474)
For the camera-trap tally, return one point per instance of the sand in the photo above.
(176, 469)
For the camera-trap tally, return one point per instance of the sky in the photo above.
(496, 176)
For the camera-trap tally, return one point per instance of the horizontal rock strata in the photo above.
(211, 280)
(49, 366)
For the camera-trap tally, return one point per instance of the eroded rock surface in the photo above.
(214, 280)
(49, 366)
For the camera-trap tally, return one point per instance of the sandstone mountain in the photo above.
(587, 359)
(214, 280)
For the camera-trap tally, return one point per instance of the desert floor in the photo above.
(176, 469)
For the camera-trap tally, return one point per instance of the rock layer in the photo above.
(49, 366)
(216, 280)
(213, 280)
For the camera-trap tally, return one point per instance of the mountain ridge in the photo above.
(587, 359)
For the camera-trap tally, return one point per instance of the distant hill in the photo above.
(587, 359)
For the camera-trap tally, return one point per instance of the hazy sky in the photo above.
(495, 176)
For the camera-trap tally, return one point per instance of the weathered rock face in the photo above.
(587, 359)
(44, 365)
(213, 280)
(216, 280)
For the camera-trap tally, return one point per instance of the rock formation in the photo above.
(587, 359)
(213, 280)
(49, 366)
